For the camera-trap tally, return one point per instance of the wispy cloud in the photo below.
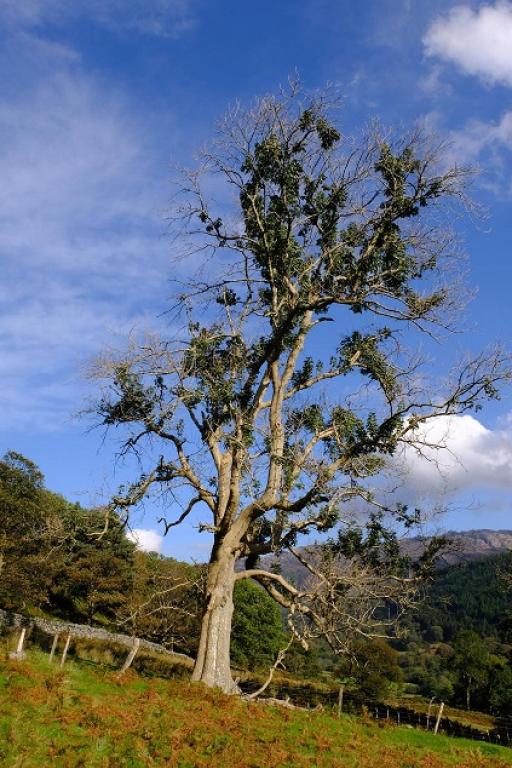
(166, 18)
(486, 145)
(80, 246)
(477, 41)
(478, 136)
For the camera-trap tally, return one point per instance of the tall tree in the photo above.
(94, 574)
(286, 388)
(472, 661)
(30, 526)
(163, 602)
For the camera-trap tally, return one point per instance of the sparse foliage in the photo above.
(164, 602)
(288, 387)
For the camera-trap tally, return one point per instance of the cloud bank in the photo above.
(469, 456)
(478, 41)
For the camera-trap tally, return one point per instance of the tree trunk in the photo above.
(212, 665)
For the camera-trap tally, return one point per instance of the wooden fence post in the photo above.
(54, 646)
(66, 648)
(129, 659)
(340, 700)
(19, 654)
(429, 711)
(439, 714)
(21, 642)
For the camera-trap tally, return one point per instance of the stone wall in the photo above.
(8, 619)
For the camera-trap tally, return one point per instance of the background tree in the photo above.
(257, 633)
(94, 574)
(472, 662)
(164, 602)
(373, 667)
(30, 533)
(500, 692)
(287, 387)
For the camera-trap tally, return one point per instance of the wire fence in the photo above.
(303, 696)
(307, 696)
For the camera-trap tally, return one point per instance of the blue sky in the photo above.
(100, 101)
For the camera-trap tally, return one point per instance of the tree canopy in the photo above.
(286, 387)
(29, 521)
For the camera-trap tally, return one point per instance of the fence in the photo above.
(70, 632)
(304, 696)
(307, 696)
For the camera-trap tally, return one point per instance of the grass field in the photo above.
(85, 717)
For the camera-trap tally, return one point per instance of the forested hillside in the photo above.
(58, 559)
(456, 647)
(473, 595)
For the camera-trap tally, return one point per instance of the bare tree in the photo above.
(164, 602)
(287, 388)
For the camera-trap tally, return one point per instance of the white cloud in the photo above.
(167, 18)
(470, 456)
(146, 539)
(487, 146)
(478, 41)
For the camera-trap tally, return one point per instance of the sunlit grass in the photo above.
(83, 717)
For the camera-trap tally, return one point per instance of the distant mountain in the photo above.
(466, 546)
(481, 542)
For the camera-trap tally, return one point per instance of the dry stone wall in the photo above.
(11, 620)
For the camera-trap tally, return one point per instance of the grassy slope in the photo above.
(479, 720)
(82, 717)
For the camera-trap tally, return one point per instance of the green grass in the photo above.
(82, 717)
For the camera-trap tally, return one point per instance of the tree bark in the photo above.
(212, 666)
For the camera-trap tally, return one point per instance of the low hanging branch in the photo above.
(278, 663)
